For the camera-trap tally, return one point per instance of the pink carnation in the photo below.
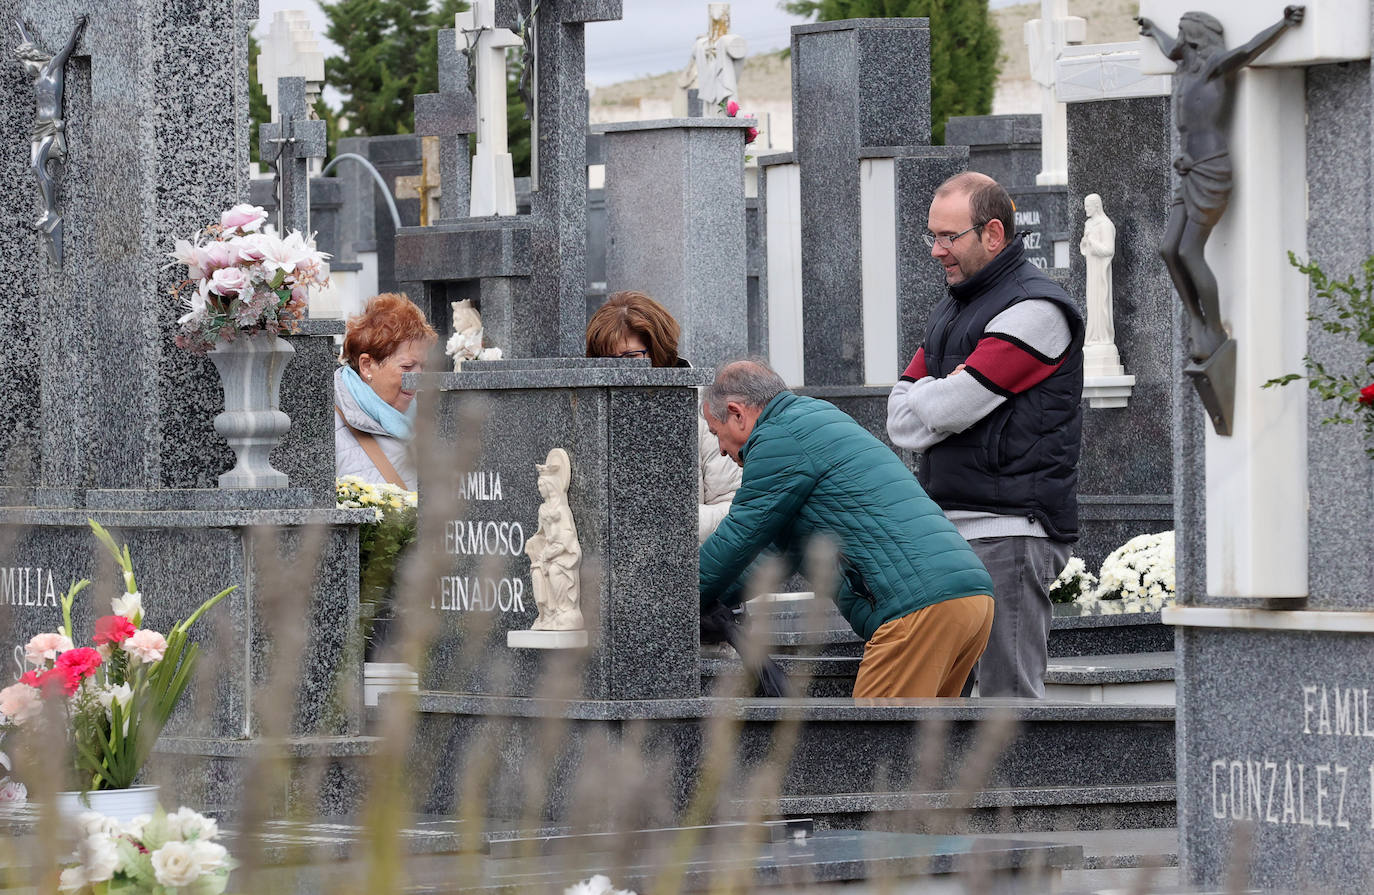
(81, 663)
(20, 703)
(113, 629)
(43, 648)
(145, 646)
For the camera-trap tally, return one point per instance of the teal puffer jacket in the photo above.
(810, 469)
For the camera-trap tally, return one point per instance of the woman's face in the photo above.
(385, 377)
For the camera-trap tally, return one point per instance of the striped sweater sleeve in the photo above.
(1019, 349)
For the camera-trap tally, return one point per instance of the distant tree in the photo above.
(388, 54)
(517, 126)
(963, 48)
(258, 110)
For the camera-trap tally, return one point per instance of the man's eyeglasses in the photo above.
(638, 352)
(947, 242)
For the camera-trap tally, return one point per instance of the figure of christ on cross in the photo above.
(49, 139)
(1204, 93)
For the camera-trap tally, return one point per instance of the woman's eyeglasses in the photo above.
(638, 352)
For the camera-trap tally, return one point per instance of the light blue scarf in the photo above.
(398, 425)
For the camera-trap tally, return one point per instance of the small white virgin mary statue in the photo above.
(1098, 247)
(555, 555)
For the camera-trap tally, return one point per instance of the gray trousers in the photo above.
(1022, 571)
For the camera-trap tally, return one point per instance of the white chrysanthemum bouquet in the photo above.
(1138, 576)
(245, 280)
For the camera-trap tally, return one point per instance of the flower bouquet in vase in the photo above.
(244, 287)
(106, 703)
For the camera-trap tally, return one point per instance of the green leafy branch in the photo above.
(1344, 307)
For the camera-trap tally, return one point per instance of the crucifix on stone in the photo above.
(1046, 38)
(493, 175)
(288, 145)
(448, 116)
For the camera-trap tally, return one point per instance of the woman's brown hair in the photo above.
(634, 312)
(388, 322)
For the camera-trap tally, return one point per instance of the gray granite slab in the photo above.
(676, 227)
(631, 499)
(1004, 147)
(1274, 735)
(855, 84)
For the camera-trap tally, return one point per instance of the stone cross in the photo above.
(493, 177)
(290, 51)
(288, 145)
(449, 115)
(1046, 38)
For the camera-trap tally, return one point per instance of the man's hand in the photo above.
(1293, 15)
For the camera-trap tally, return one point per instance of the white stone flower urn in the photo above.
(250, 369)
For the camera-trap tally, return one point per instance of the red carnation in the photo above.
(113, 629)
(1367, 394)
(59, 679)
(32, 678)
(82, 662)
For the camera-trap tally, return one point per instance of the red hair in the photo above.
(634, 312)
(388, 322)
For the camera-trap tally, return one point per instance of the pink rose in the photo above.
(145, 646)
(45, 647)
(751, 135)
(243, 218)
(228, 281)
(20, 703)
(732, 108)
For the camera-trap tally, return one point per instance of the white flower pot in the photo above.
(121, 804)
(250, 368)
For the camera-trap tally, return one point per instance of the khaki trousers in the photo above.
(927, 653)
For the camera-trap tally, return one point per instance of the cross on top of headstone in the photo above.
(493, 177)
(1046, 38)
(290, 51)
(450, 115)
(288, 145)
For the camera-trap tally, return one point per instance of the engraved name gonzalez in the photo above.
(1334, 791)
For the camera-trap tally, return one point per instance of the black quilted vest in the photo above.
(1021, 459)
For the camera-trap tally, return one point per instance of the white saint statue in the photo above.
(718, 56)
(1098, 247)
(466, 341)
(554, 552)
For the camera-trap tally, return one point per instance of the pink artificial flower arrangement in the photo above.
(242, 279)
(113, 698)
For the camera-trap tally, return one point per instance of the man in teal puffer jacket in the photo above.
(909, 585)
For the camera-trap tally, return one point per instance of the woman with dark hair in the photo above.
(631, 324)
(374, 415)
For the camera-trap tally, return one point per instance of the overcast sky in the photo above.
(653, 36)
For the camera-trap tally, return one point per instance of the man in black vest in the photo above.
(992, 402)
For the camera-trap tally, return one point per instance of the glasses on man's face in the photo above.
(638, 352)
(947, 242)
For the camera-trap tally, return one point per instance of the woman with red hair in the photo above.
(374, 415)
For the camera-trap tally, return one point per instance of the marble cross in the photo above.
(1046, 38)
(288, 145)
(493, 177)
(449, 115)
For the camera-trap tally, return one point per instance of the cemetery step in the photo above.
(1014, 810)
(1135, 678)
(801, 625)
(842, 747)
